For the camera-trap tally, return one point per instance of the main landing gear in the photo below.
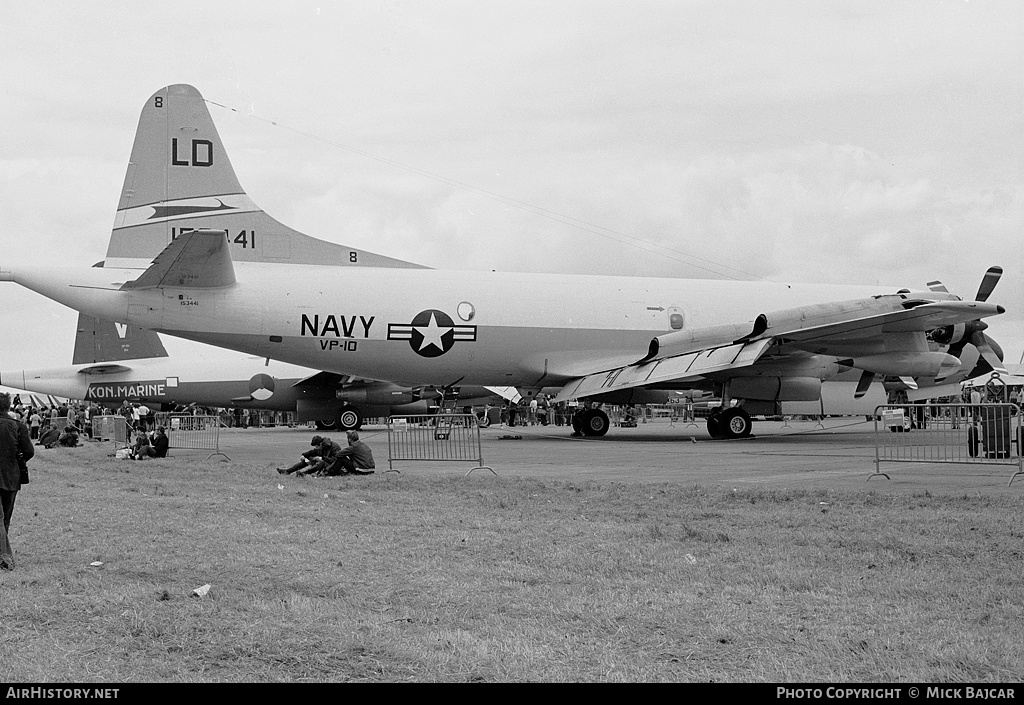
(348, 418)
(729, 423)
(590, 422)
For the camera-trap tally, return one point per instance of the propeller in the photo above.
(974, 331)
(866, 378)
(991, 355)
(988, 283)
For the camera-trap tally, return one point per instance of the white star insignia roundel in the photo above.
(431, 333)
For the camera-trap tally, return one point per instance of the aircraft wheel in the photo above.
(735, 423)
(327, 424)
(595, 423)
(349, 418)
(972, 441)
(484, 421)
(715, 426)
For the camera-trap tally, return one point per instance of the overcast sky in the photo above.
(855, 142)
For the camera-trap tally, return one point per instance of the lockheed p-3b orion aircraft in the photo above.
(227, 274)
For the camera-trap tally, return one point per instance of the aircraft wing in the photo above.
(872, 329)
(675, 369)
(321, 379)
(884, 334)
(507, 393)
(333, 379)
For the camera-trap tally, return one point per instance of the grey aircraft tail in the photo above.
(180, 179)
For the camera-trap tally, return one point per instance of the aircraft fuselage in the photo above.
(429, 326)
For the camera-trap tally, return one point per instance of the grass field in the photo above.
(439, 577)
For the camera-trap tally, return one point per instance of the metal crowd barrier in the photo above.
(449, 437)
(651, 413)
(187, 432)
(970, 434)
(110, 428)
(673, 412)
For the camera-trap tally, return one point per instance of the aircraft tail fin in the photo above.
(180, 179)
(105, 341)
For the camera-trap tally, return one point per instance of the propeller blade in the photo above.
(866, 379)
(938, 286)
(986, 346)
(988, 283)
(973, 329)
(909, 381)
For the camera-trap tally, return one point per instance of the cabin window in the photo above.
(675, 318)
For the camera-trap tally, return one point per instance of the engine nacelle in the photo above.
(625, 397)
(935, 365)
(767, 324)
(950, 335)
(316, 410)
(776, 388)
(378, 394)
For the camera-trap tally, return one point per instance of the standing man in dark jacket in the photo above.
(15, 450)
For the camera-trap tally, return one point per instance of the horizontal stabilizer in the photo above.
(99, 340)
(196, 260)
(104, 369)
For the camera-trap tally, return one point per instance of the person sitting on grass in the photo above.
(48, 437)
(160, 443)
(316, 460)
(68, 439)
(356, 459)
(142, 448)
